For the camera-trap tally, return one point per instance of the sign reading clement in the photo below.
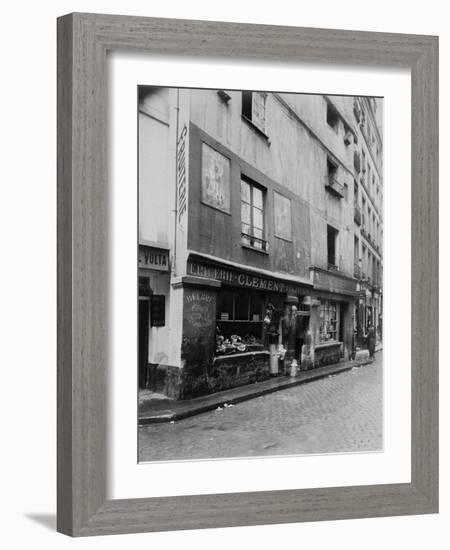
(240, 278)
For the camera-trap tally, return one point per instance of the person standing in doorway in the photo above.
(371, 340)
(298, 330)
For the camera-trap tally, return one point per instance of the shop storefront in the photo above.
(333, 316)
(239, 326)
(154, 296)
(233, 319)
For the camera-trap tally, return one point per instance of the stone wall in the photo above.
(327, 354)
(239, 369)
(201, 379)
(224, 373)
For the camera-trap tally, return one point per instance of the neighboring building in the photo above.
(368, 229)
(250, 202)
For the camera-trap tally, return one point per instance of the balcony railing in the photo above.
(357, 215)
(254, 242)
(335, 187)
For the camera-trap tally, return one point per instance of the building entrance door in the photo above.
(143, 341)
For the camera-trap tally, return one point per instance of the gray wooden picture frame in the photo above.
(83, 41)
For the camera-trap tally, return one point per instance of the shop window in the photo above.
(329, 321)
(226, 309)
(240, 305)
(240, 317)
(332, 235)
(254, 108)
(256, 306)
(252, 215)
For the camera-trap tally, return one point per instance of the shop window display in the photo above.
(244, 321)
(329, 321)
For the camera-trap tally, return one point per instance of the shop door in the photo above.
(143, 341)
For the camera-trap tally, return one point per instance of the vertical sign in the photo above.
(182, 175)
(182, 180)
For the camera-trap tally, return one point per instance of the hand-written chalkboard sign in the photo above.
(157, 310)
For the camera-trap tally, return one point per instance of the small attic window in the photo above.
(332, 117)
(224, 96)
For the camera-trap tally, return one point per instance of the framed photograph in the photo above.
(247, 274)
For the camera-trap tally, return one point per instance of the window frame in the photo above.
(326, 307)
(251, 237)
(332, 112)
(236, 294)
(247, 100)
(333, 265)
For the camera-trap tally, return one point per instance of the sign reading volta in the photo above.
(153, 258)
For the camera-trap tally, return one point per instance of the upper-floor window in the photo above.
(356, 262)
(332, 182)
(332, 236)
(254, 108)
(332, 117)
(252, 215)
(363, 261)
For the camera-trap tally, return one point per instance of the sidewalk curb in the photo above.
(253, 393)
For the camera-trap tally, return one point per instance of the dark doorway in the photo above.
(143, 341)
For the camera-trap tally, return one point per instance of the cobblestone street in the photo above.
(340, 413)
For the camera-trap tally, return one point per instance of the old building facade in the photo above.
(255, 208)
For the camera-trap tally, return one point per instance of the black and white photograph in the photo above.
(260, 274)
